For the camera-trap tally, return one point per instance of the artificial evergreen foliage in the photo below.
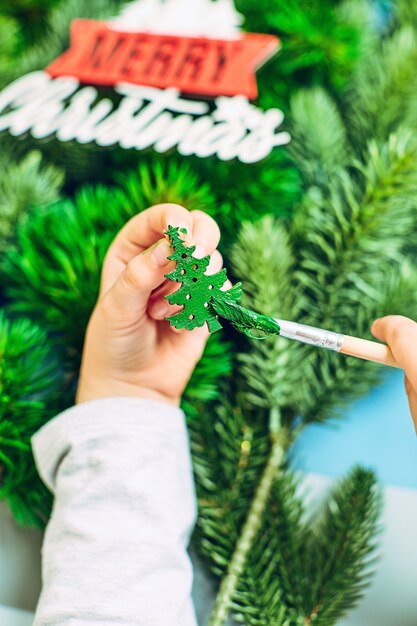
(29, 384)
(30, 15)
(342, 260)
(156, 182)
(228, 451)
(317, 557)
(24, 185)
(343, 541)
(247, 192)
(382, 98)
(321, 41)
(58, 284)
(321, 233)
(319, 143)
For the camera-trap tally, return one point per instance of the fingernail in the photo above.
(375, 323)
(159, 252)
(199, 251)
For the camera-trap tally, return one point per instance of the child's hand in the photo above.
(400, 333)
(129, 349)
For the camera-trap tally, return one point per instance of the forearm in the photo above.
(115, 548)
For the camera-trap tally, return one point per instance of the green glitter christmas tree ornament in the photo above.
(201, 296)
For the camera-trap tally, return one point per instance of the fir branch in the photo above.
(338, 280)
(249, 531)
(29, 382)
(340, 561)
(272, 588)
(64, 292)
(228, 452)
(168, 180)
(247, 192)
(326, 271)
(263, 258)
(319, 143)
(23, 185)
(322, 42)
(382, 96)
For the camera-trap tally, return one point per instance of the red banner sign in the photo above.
(99, 55)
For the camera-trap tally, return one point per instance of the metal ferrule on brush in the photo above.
(313, 336)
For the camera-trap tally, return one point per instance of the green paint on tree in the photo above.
(198, 289)
(201, 295)
(245, 320)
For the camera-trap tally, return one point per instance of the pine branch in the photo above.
(322, 42)
(167, 180)
(63, 294)
(272, 588)
(319, 143)
(358, 219)
(247, 536)
(29, 383)
(228, 454)
(263, 258)
(340, 561)
(338, 280)
(382, 97)
(24, 185)
(246, 192)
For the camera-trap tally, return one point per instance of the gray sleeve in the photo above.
(115, 549)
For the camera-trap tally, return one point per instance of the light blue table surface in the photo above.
(375, 431)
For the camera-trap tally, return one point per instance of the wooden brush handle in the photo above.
(368, 350)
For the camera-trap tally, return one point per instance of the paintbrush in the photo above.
(346, 344)
(246, 321)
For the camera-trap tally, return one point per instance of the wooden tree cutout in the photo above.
(198, 290)
(201, 295)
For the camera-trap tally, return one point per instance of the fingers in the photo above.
(138, 234)
(412, 401)
(147, 227)
(400, 333)
(144, 229)
(205, 234)
(128, 298)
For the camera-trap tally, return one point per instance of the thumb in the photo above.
(129, 295)
(400, 333)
